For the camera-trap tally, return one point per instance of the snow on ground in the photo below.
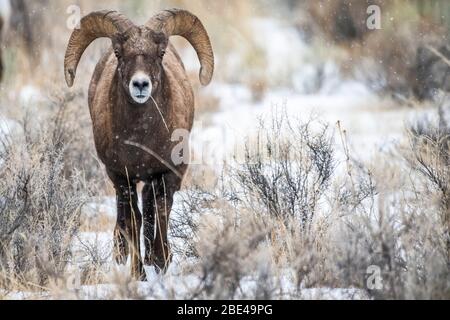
(106, 205)
(177, 283)
(370, 123)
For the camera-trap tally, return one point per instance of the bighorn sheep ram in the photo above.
(139, 94)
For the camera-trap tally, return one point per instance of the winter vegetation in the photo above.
(320, 157)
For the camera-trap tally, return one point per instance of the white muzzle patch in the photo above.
(140, 87)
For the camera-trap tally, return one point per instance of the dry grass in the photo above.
(40, 203)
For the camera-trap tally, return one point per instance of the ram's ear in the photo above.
(117, 43)
(162, 41)
(160, 38)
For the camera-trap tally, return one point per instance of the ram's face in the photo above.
(140, 53)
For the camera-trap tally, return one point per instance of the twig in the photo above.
(160, 113)
(19, 219)
(439, 54)
(157, 156)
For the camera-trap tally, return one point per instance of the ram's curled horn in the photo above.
(97, 24)
(176, 22)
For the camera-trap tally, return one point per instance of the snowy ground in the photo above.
(176, 283)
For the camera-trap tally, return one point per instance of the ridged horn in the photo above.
(98, 24)
(177, 22)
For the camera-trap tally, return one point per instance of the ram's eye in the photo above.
(117, 53)
(162, 53)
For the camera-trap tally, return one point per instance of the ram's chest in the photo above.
(139, 149)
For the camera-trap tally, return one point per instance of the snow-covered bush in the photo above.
(288, 170)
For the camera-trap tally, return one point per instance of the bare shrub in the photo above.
(396, 222)
(404, 241)
(290, 173)
(185, 219)
(228, 257)
(250, 238)
(92, 260)
(80, 155)
(430, 156)
(430, 142)
(40, 206)
(258, 222)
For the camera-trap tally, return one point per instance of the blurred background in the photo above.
(262, 44)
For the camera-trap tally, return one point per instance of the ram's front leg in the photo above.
(164, 190)
(127, 234)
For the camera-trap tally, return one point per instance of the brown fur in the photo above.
(127, 135)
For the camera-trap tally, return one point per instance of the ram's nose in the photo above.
(140, 87)
(141, 84)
